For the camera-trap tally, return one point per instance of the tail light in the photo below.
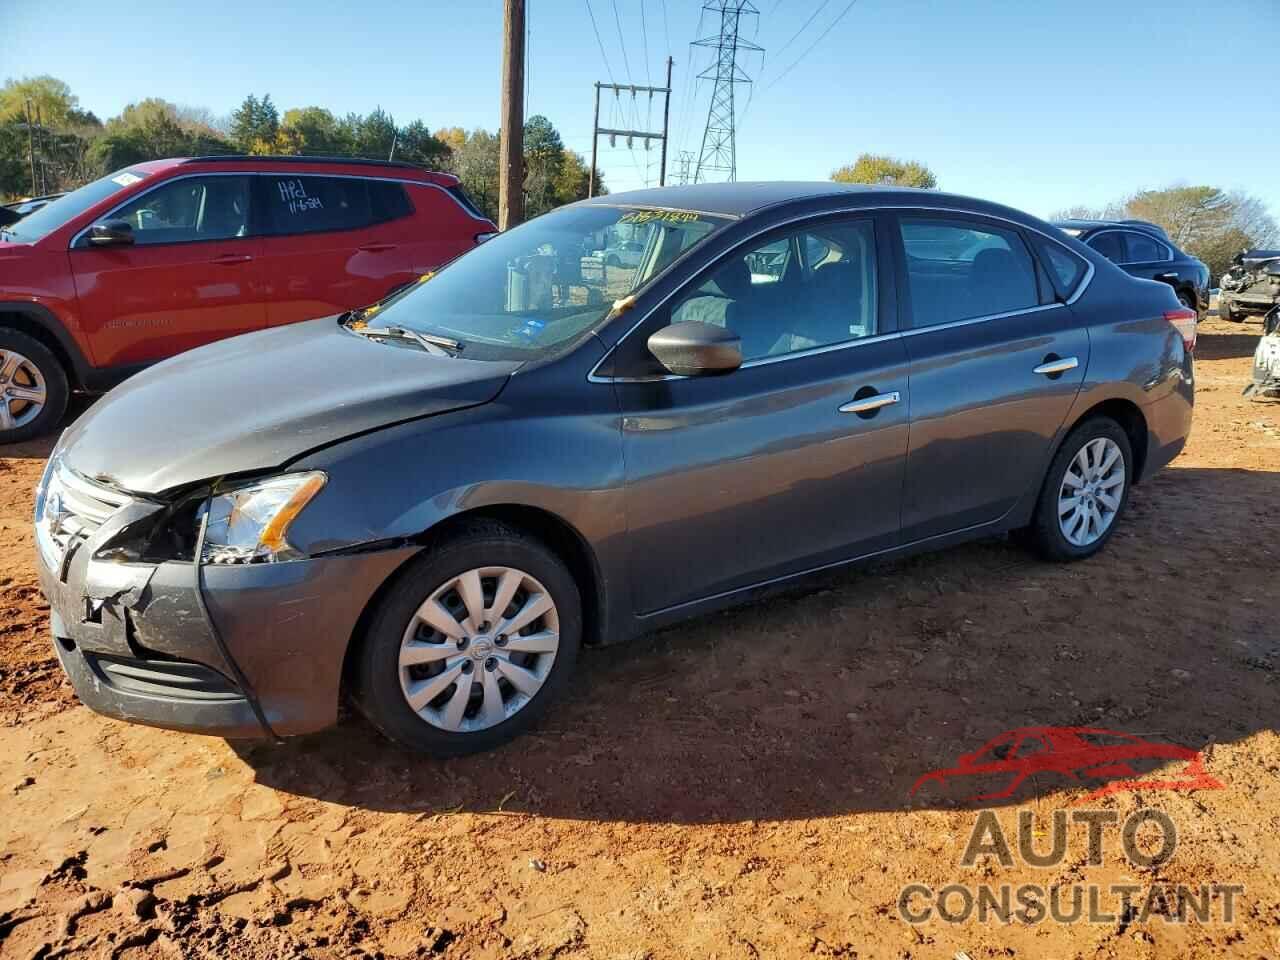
(1184, 321)
(482, 237)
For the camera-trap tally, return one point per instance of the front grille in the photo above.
(69, 508)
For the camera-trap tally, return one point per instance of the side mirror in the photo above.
(694, 348)
(110, 233)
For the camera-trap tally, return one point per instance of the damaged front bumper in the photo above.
(250, 650)
(1266, 365)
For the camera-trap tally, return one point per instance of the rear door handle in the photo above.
(1057, 366)
(232, 258)
(869, 405)
(377, 247)
(1167, 276)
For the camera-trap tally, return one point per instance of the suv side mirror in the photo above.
(694, 348)
(110, 233)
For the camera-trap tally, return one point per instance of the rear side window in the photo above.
(307, 204)
(1066, 270)
(1144, 249)
(388, 201)
(1110, 245)
(959, 270)
(465, 201)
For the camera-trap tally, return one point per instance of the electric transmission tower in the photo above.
(719, 152)
(684, 166)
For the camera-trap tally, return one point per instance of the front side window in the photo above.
(961, 270)
(189, 209)
(526, 292)
(1110, 244)
(1144, 249)
(810, 288)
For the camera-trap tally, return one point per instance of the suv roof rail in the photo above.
(308, 158)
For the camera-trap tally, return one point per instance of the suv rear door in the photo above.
(331, 243)
(192, 275)
(996, 362)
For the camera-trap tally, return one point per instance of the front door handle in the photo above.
(232, 258)
(867, 406)
(1056, 366)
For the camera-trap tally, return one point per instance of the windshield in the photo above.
(525, 292)
(44, 221)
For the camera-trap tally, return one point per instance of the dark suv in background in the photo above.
(1142, 249)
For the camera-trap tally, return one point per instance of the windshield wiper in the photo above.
(430, 342)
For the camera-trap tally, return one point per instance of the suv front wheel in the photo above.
(471, 643)
(33, 387)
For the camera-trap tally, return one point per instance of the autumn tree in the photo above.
(883, 169)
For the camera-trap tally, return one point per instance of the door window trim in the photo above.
(1124, 239)
(891, 212)
(886, 294)
(258, 234)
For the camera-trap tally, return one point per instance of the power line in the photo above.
(599, 42)
(621, 42)
(644, 33)
(666, 27)
(821, 37)
(822, 6)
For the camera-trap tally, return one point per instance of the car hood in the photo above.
(257, 401)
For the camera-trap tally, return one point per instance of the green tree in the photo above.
(313, 130)
(572, 183)
(473, 159)
(373, 134)
(880, 168)
(417, 145)
(544, 159)
(255, 125)
(50, 98)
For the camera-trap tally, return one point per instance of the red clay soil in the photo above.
(736, 787)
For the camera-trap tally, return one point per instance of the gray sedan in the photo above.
(429, 505)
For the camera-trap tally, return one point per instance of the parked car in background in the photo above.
(13, 212)
(171, 254)
(432, 504)
(1143, 249)
(1252, 285)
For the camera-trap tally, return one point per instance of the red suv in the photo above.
(171, 254)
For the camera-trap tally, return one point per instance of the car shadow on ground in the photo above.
(40, 447)
(1239, 340)
(837, 699)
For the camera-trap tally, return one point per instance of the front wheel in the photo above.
(473, 641)
(1085, 492)
(33, 387)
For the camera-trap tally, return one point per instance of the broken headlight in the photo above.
(250, 524)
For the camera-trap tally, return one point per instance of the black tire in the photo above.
(376, 689)
(1186, 300)
(613, 261)
(57, 389)
(1044, 534)
(1225, 311)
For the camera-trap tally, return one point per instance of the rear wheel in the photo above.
(1085, 492)
(33, 387)
(471, 644)
(1186, 301)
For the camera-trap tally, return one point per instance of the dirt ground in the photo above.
(737, 787)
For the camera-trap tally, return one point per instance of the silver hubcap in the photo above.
(479, 648)
(1091, 492)
(22, 390)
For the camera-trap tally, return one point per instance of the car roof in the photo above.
(746, 197)
(1089, 226)
(400, 170)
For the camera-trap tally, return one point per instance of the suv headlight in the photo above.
(250, 524)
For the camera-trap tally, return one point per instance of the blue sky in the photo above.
(1036, 103)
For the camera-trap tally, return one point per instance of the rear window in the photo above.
(388, 201)
(460, 195)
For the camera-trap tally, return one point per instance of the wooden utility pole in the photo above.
(511, 146)
(595, 125)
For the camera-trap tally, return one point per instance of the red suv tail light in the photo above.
(1185, 322)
